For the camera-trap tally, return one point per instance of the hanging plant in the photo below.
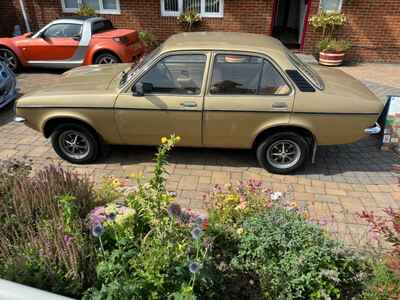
(189, 19)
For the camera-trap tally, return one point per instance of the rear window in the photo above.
(101, 26)
(306, 70)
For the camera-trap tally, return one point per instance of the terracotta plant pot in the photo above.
(331, 58)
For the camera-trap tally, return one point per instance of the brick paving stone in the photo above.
(345, 179)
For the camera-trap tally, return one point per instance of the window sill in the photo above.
(100, 12)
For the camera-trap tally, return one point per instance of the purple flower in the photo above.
(97, 230)
(111, 216)
(197, 232)
(67, 240)
(194, 267)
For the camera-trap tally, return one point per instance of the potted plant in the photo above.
(148, 40)
(189, 19)
(331, 50)
(86, 10)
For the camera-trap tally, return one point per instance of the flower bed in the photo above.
(59, 233)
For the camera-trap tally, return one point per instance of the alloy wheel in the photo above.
(107, 60)
(74, 144)
(9, 59)
(283, 154)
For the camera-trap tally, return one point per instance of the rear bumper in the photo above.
(376, 129)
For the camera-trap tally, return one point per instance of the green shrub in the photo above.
(296, 260)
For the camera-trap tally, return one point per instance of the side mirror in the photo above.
(142, 88)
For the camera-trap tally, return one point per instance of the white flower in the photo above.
(275, 196)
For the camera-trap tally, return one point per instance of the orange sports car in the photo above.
(71, 42)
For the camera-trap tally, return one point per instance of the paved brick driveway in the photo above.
(345, 179)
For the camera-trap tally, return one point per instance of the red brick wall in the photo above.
(373, 26)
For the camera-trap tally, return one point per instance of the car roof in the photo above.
(233, 41)
(80, 19)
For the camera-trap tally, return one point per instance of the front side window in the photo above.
(246, 75)
(176, 74)
(100, 6)
(63, 31)
(206, 8)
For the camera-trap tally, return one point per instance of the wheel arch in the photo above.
(306, 133)
(14, 50)
(51, 124)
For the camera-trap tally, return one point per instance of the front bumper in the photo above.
(19, 119)
(376, 129)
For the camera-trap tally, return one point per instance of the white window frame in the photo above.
(339, 10)
(102, 10)
(203, 12)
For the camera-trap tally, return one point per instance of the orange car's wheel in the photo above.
(106, 58)
(9, 58)
(283, 152)
(75, 143)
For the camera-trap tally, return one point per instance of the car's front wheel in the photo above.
(75, 143)
(283, 152)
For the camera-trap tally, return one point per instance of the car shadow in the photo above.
(359, 162)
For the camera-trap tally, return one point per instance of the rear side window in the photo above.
(246, 75)
(101, 26)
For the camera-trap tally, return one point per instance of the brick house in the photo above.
(373, 25)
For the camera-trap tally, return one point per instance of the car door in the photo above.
(58, 42)
(167, 99)
(247, 93)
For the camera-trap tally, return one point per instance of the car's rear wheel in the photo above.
(75, 143)
(106, 58)
(9, 58)
(283, 152)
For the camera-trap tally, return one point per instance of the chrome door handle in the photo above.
(189, 104)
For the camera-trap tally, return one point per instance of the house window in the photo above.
(206, 8)
(331, 5)
(101, 6)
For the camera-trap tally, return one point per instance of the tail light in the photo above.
(121, 40)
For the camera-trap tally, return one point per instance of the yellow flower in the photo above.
(239, 231)
(178, 138)
(116, 183)
(164, 140)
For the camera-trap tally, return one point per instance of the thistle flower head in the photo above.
(197, 233)
(97, 230)
(194, 267)
(174, 210)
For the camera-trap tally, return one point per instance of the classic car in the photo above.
(8, 91)
(214, 89)
(71, 42)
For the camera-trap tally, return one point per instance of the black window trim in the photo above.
(64, 23)
(151, 64)
(257, 54)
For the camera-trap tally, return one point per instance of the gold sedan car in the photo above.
(214, 89)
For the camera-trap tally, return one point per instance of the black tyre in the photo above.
(282, 152)
(75, 143)
(9, 58)
(106, 58)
